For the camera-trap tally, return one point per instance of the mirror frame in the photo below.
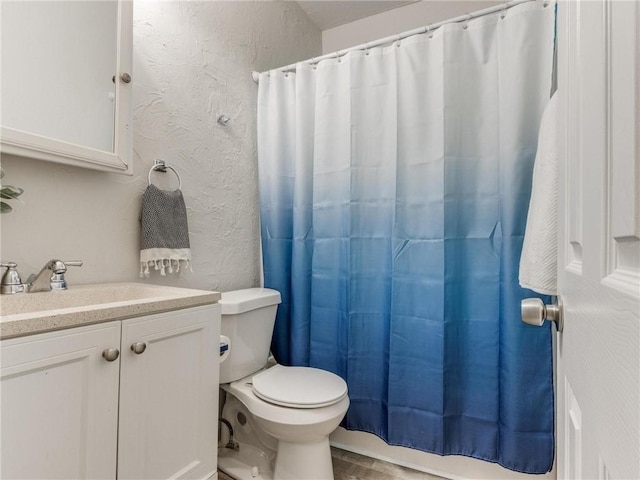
(25, 144)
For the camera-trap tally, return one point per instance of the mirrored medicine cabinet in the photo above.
(66, 82)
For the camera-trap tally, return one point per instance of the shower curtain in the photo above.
(394, 186)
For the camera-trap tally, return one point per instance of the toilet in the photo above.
(281, 417)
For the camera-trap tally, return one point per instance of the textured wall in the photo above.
(192, 62)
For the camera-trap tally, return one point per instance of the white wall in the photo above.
(192, 61)
(398, 20)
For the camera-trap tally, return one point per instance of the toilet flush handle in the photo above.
(225, 347)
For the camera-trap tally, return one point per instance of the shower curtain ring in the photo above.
(503, 12)
(465, 25)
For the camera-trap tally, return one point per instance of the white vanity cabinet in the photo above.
(59, 404)
(169, 395)
(67, 412)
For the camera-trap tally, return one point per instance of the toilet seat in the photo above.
(299, 387)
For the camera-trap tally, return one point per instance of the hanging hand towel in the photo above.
(164, 232)
(539, 260)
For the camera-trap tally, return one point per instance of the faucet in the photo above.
(51, 277)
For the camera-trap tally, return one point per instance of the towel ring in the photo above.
(161, 166)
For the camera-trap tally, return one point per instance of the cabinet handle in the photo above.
(110, 354)
(138, 347)
(125, 77)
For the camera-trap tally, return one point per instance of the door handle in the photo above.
(535, 312)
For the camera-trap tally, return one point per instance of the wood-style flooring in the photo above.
(351, 466)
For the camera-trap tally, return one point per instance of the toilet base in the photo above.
(246, 463)
(293, 462)
(303, 461)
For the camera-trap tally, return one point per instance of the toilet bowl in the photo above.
(302, 432)
(281, 416)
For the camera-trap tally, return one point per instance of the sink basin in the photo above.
(28, 313)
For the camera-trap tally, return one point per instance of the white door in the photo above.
(169, 395)
(59, 404)
(598, 374)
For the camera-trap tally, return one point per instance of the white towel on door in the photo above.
(539, 260)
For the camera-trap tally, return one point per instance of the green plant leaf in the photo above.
(5, 207)
(17, 190)
(9, 192)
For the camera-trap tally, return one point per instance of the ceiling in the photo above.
(331, 13)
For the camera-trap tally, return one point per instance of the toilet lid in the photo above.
(299, 387)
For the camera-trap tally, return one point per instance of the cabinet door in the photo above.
(59, 404)
(169, 395)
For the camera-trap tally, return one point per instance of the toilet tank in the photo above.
(248, 317)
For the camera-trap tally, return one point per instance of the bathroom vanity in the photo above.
(125, 386)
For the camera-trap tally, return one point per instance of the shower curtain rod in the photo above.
(394, 38)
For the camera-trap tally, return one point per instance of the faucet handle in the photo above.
(59, 267)
(73, 263)
(8, 264)
(11, 281)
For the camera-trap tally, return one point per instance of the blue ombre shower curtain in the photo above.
(394, 186)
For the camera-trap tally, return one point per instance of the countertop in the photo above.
(31, 313)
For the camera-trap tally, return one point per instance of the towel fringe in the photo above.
(164, 265)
